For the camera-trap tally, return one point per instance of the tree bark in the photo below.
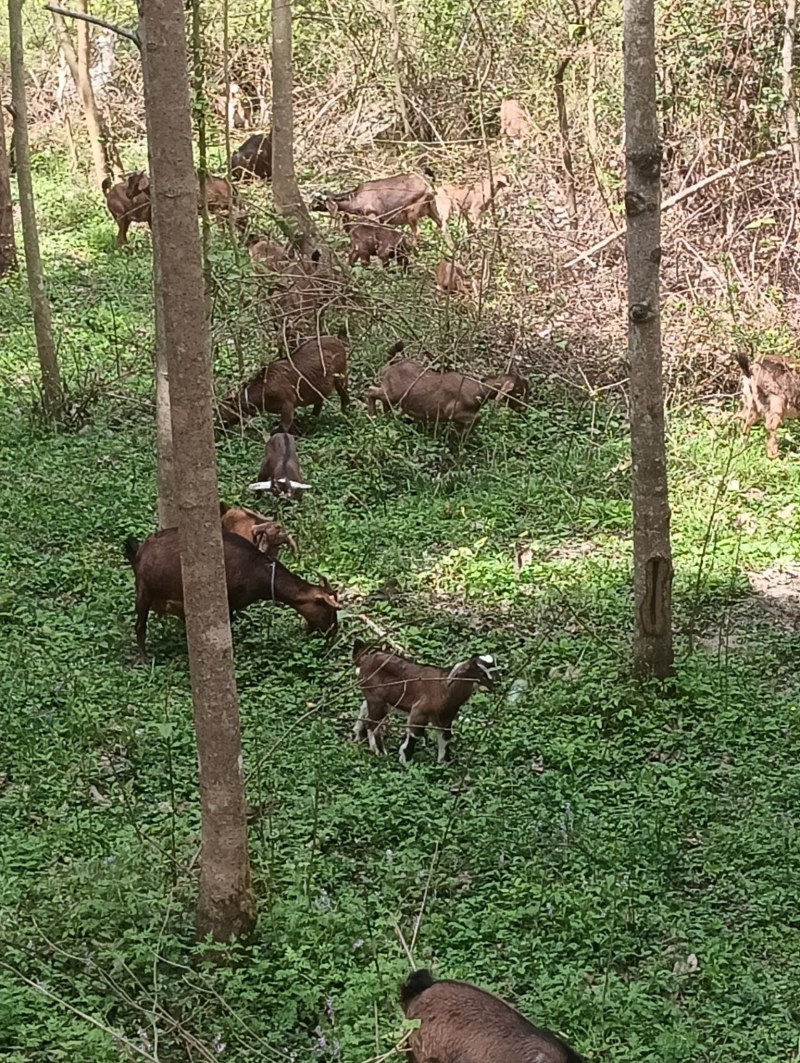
(566, 151)
(79, 64)
(226, 906)
(285, 193)
(397, 69)
(789, 95)
(652, 554)
(52, 394)
(8, 247)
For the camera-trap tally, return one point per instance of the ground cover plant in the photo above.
(620, 861)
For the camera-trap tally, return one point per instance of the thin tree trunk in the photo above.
(79, 64)
(226, 906)
(591, 109)
(652, 554)
(394, 51)
(789, 95)
(566, 151)
(199, 108)
(8, 246)
(52, 394)
(286, 195)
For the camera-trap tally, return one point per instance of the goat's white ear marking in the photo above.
(260, 485)
(297, 486)
(486, 658)
(358, 672)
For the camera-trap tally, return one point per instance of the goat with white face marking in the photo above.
(280, 469)
(428, 695)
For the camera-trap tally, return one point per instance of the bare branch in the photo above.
(131, 35)
(729, 171)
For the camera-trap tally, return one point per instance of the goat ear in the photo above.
(298, 486)
(260, 485)
(456, 671)
(223, 509)
(325, 584)
(328, 599)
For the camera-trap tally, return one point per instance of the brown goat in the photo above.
(451, 279)
(459, 1023)
(127, 203)
(221, 197)
(268, 535)
(469, 200)
(514, 121)
(253, 158)
(280, 468)
(770, 390)
(251, 577)
(266, 255)
(425, 395)
(509, 389)
(403, 199)
(304, 378)
(428, 695)
(370, 238)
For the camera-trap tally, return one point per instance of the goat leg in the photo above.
(413, 734)
(445, 737)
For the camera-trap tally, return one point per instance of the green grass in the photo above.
(588, 838)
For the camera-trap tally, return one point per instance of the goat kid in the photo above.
(250, 577)
(430, 696)
(368, 239)
(451, 279)
(267, 535)
(459, 1023)
(126, 203)
(770, 390)
(280, 468)
(471, 201)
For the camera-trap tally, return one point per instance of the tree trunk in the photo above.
(789, 96)
(285, 193)
(397, 69)
(165, 470)
(52, 395)
(8, 247)
(652, 648)
(226, 906)
(79, 65)
(566, 151)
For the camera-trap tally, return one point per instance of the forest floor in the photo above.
(620, 861)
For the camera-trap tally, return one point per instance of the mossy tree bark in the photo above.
(8, 246)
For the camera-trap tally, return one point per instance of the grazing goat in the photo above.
(459, 1023)
(770, 390)
(370, 238)
(280, 468)
(425, 395)
(514, 121)
(404, 199)
(128, 203)
(427, 694)
(469, 200)
(253, 158)
(268, 535)
(305, 378)
(451, 279)
(266, 255)
(221, 197)
(509, 389)
(250, 576)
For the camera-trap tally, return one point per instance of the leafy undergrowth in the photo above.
(620, 861)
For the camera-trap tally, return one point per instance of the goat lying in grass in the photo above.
(770, 390)
(428, 695)
(459, 1023)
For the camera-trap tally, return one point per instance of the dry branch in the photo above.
(56, 9)
(729, 171)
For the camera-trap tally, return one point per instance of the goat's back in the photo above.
(383, 195)
(400, 681)
(427, 395)
(774, 375)
(460, 1023)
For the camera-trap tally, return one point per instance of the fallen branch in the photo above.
(131, 35)
(671, 201)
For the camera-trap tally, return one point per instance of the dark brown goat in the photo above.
(127, 203)
(459, 1023)
(251, 577)
(770, 390)
(304, 378)
(369, 238)
(253, 158)
(403, 199)
(280, 468)
(268, 535)
(425, 395)
(221, 197)
(428, 695)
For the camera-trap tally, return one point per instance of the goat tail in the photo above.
(429, 173)
(744, 362)
(416, 983)
(131, 549)
(106, 185)
(396, 348)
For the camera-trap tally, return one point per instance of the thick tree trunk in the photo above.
(652, 648)
(79, 64)
(789, 95)
(226, 906)
(8, 247)
(52, 395)
(286, 195)
(566, 151)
